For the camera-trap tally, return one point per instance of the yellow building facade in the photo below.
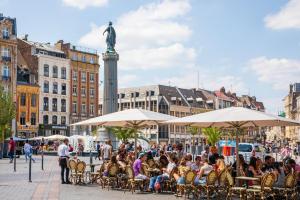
(27, 110)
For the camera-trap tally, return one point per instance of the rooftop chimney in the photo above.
(25, 37)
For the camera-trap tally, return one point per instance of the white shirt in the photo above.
(106, 151)
(27, 148)
(206, 168)
(63, 150)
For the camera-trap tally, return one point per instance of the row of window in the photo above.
(63, 70)
(83, 58)
(63, 104)
(55, 88)
(83, 91)
(63, 120)
(83, 76)
(32, 118)
(83, 108)
(33, 100)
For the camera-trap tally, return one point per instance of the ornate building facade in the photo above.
(84, 84)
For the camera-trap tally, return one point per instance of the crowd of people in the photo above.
(170, 157)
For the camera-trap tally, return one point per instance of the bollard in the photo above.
(30, 168)
(91, 158)
(15, 161)
(42, 159)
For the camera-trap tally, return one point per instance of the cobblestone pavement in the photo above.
(46, 184)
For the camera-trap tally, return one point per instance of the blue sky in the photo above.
(247, 46)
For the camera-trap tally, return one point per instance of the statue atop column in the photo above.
(110, 38)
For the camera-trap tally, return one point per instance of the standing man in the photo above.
(11, 149)
(107, 150)
(28, 151)
(63, 153)
(98, 148)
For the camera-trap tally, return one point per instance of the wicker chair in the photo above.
(188, 187)
(231, 189)
(170, 184)
(111, 178)
(80, 172)
(132, 182)
(266, 188)
(151, 163)
(210, 185)
(95, 176)
(222, 186)
(73, 169)
(288, 191)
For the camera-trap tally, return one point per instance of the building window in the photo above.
(5, 52)
(46, 70)
(92, 77)
(5, 71)
(5, 33)
(83, 108)
(74, 107)
(74, 76)
(54, 119)
(46, 87)
(23, 99)
(23, 118)
(83, 58)
(74, 56)
(63, 120)
(63, 89)
(55, 88)
(45, 119)
(33, 119)
(92, 60)
(92, 110)
(83, 93)
(54, 104)
(63, 73)
(63, 105)
(74, 90)
(83, 76)
(33, 100)
(54, 71)
(92, 92)
(46, 104)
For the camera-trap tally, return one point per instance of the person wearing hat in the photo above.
(137, 166)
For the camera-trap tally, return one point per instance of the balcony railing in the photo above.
(6, 58)
(6, 78)
(5, 37)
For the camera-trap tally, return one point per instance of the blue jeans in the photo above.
(28, 155)
(157, 179)
(181, 180)
(11, 155)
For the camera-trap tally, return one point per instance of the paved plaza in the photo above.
(46, 184)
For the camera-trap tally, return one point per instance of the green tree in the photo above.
(212, 134)
(193, 131)
(122, 133)
(7, 114)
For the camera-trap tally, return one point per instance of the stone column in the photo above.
(110, 90)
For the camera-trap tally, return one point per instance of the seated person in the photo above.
(182, 169)
(220, 165)
(137, 166)
(155, 182)
(279, 173)
(113, 161)
(197, 164)
(242, 166)
(269, 164)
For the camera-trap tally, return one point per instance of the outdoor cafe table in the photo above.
(154, 171)
(246, 179)
(92, 166)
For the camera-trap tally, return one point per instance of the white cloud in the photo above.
(126, 80)
(149, 37)
(276, 71)
(82, 4)
(287, 17)
(208, 81)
